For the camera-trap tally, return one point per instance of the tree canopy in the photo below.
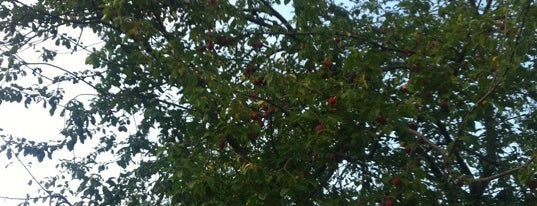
(271, 102)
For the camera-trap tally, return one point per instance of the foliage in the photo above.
(270, 102)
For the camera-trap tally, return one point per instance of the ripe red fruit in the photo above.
(222, 144)
(444, 105)
(258, 81)
(404, 88)
(213, 2)
(332, 100)
(413, 125)
(253, 136)
(254, 115)
(408, 150)
(337, 39)
(249, 70)
(388, 202)
(257, 44)
(415, 68)
(261, 123)
(271, 110)
(320, 127)
(327, 64)
(396, 181)
(417, 105)
(226, 41)
(381, 120)
(210, 46)
(253, 95)
(332, 157)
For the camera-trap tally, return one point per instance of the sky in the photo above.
(35, 123)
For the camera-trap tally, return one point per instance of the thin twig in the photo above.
(428, 142)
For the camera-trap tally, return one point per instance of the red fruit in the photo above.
(444, 105)
(327, 64)
(337, 39)
(415, 68)
(213, 2)
(210, 46)
(222, 144)
(202, 48)
(257, 81)
(249, 70)
(253, 136)
(388, 202)
(254, 115)
(271, 110)
(396, 181)
(381, 120)
(320, 127)
(332, 157)
(332, 100)
(417, 105)
(413, 125)
(257, 44)
(408, 150)
(404, 88)
(253, 95)
(226, 41)
(261, 123)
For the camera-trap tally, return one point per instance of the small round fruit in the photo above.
(257, 44)
(222, 144)
(332, 157)
(320, 127)
(388, 202)
(258, 81)
(444, 105)
(261, 123)
(408, 150)
(396, 181)
(381, 120)
(332, 100)
(254, 115)
(413, 125)
(337, 39)
(327, 64)
(249, 70)
(210, 46)
(253, 136)
(404, 88)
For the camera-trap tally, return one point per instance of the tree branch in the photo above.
(504, 173)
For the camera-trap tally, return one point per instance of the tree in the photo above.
(269, 102)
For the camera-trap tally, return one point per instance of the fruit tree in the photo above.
(280, 102)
